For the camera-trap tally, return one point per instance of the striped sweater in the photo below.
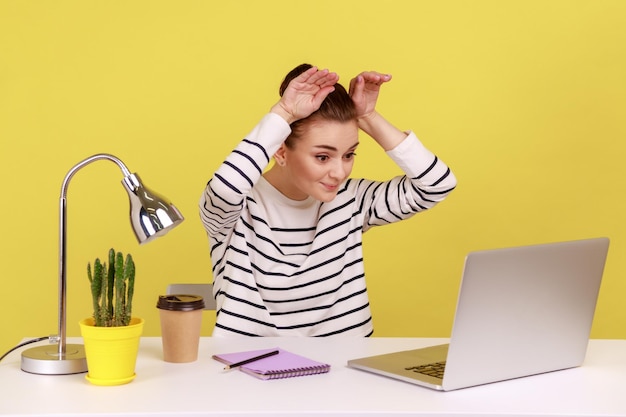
(295, 268)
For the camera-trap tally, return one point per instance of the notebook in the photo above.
(283, 365)
(521, 311)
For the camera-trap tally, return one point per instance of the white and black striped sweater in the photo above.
(295, 268)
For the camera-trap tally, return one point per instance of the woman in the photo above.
(286, 241)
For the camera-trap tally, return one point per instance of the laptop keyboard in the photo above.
(431, 369)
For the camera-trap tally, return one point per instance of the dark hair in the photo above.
(338, 106)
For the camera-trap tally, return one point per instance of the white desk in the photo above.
(202, 388)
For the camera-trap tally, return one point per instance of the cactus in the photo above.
(129, 276)
(112, 289)
(96, 289)
(110, 283)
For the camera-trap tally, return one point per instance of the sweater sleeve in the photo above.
(426, 182)
(422, 167)
(223, 198)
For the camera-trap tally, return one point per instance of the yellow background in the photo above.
(525, 100)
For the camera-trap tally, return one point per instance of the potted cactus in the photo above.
(112, 288)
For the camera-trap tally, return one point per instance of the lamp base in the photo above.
(45, 360)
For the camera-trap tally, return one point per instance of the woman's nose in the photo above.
(339, 170)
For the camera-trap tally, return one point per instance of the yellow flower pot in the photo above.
(111, 351)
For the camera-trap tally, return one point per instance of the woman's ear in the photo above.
(280, 155)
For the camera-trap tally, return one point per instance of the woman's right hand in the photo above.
(305, 94)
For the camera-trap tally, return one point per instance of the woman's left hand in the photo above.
(364, 89)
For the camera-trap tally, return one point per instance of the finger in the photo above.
(356, 86)
(374, 77)
(306, 75)
(327, 79)
(316, 76)
(321, 95)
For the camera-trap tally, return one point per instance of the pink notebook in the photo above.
(283, 365)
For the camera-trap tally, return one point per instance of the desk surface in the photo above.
(202, 388)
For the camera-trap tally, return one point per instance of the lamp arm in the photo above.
(88, 161)
(63, 240)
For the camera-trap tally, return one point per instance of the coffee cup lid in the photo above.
(180, 302)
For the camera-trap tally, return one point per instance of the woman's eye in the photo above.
(350, 155)
(322, 158)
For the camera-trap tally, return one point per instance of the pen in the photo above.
(256, 358)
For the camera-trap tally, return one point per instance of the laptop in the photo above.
(521, 311)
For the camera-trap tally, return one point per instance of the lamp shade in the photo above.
(151, 214)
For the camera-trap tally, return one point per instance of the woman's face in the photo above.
(319, 161)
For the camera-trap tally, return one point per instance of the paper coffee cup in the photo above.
(181, 321)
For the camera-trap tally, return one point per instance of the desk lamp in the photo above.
(151, 215)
